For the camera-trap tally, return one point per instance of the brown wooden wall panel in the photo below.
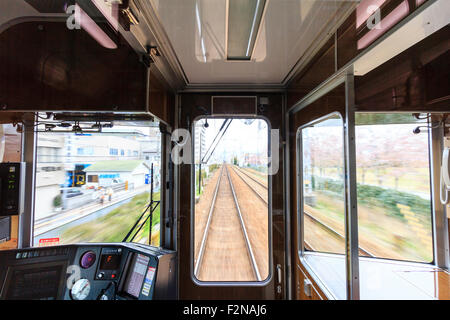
(239, 105)
(10, 117)
(340, 50)
(417, 79)
(301, 276)
(46, 66)
(318, 70)
(188, 289)
(49, 6)
(347, 37)
(161, 100)
(437, 80)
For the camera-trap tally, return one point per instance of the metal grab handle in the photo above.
(279, 273)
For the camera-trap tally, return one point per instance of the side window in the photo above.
(322, 185)
(231, 213)
(90, 196)
(394, 196)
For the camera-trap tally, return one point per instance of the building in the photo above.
(254, 160)
(89, 148)
(50, 173)
(151, 146)
(83, 150)
(108, 173)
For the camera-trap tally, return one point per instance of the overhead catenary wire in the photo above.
(221, 127)
(223, 133)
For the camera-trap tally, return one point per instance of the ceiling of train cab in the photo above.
(199, 33)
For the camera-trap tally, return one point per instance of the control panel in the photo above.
(123, 271)
(110, 263)
(11, 175)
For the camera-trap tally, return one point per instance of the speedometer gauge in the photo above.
(81, 289)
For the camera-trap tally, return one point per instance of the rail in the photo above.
(202, 249)
(244, 230)
(256, 180)
(208, 223)
(330, 229)
(252, 188)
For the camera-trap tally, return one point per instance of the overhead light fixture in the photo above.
(244, 20)
(200, 32)
(91, 27)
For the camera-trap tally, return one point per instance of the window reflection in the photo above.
(393, 175)
(323, 186)
(92, 187)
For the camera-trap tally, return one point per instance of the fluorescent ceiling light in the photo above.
(244, 19)
(431, 19)
(91, 27)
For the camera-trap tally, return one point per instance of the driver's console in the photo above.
(88, 272)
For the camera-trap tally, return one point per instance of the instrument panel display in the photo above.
(88, 272)
(136, 274)
(110, 262)
(32, 282)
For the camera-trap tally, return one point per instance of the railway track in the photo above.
(249, 176)
(362, 251)
(241, 173)
(221, 226)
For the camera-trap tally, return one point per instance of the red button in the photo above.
(113, 276)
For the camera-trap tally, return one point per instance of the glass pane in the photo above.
(231, 216)
(323, 186)
(393, 175)
(243, 24)
(93, 187)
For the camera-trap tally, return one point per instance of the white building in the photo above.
(151, 146)
(88, 149)
(107, 173)
(50, 173)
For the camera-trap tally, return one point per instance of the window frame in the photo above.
(299, 182)
(201, 283)
(299, 208)
(300, 214)
(31, 139)
(432, 190)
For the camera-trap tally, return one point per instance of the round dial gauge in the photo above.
(81, 289)
(87, 259)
